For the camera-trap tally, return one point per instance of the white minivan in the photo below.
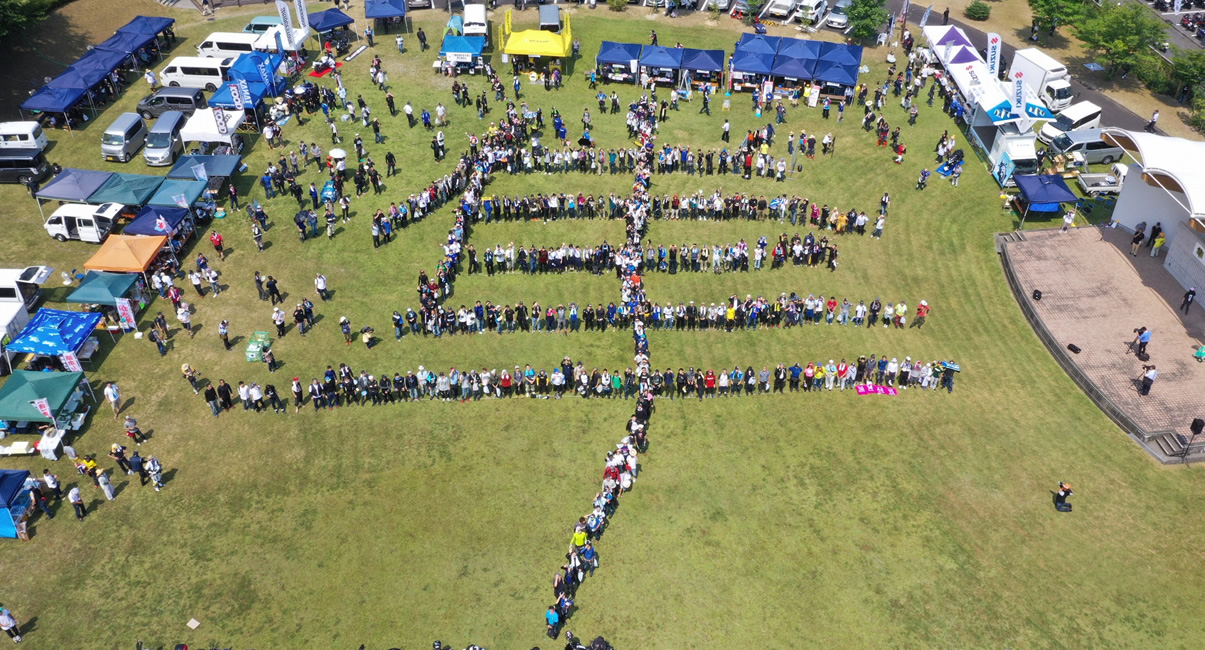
(227, 44)
(22, 135)
(196, 72)
(1081, 115)
(90, 223)
(475, 22)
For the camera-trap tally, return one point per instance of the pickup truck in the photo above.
(1103, 183)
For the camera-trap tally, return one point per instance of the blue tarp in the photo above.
(706, 60)
(127, 42)
(659, 56)
(324, 21)
(384, 8)
(752, 62)
(12, 484)
(52, 332)
(74, 185)
(612, 53)
(836, 73)
(214, 166)
(95, 59)
(1043, 192)
(221, 97)
(463, 45)
(172, 188)
(785, 66)
(72, 78)
(54, 100)
(156, 221)
(798, 48)
(841, 53)
(147, 24)
(758, 43)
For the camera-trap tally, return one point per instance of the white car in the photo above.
(839, 16)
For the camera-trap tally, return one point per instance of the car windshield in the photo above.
(112, 138)
(1064, 123)
(1062, 143)
(1026, 166)
(840, 10)
(1063, 93)
(158, 140)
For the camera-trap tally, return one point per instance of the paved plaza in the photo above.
(1094, 294)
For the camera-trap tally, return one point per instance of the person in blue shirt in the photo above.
(795, 372)
(553, 620)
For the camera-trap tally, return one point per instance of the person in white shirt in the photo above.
(320, 285)
(8, 622)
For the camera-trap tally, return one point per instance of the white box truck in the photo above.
(1048, 78)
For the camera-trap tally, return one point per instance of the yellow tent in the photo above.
(535, 42)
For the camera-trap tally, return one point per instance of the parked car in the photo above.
(184, 100)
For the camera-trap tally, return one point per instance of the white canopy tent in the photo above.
(267, 41)
(203, 126)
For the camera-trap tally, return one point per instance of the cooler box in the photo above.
(255, 347)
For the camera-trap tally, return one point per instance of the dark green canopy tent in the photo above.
(23, 387)
(103, 287)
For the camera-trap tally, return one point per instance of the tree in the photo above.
(20, 15)
(1122, 35)
(865, 18)
(1190, 67)
(1056, 13)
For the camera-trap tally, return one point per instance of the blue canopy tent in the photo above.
(173, 191)
(325, 21)
(71, 185)
(702, 67)
(214, 166)
(174, 223)
(661, 63)
(78, 78)
(389, 11)
(755, 63)
(247, 67)
(790, 68)
(130, 189)
(798, 48)
(103, 287)
(1043, 193)
(615, 61)
(837, 74)
(128, 43)
(54, 100)
(758, 43)
(95, 59)
(148, 25)
(51, 332)
(463, 50)
(841, 53)
(222, 98)
(14, 502)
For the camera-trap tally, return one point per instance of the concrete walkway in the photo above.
(1094, 294)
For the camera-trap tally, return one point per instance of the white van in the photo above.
(22, 135)
(1081, 115)
(812, 12)
(226, 44)
(196, 72)
(474, 21)
(90, 223)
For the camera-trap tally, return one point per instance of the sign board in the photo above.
(459, 57)
(236, 95)
(126, 310)
(286, 23)
(814, 96)
(43, 406)
(71, 362)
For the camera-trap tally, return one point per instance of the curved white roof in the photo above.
(1171, 163)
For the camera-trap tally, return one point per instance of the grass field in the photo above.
(922, 520)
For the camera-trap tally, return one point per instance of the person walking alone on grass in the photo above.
(77, 502)
(113, 394)
(9, 623)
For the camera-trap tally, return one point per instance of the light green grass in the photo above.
(796, 521)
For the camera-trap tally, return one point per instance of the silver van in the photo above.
(1089, 144)
(123, 138)
(185, 100)
(163, 143)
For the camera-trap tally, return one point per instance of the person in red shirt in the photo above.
(830, 310)
(216, 240)
(922, 310)
(709, 383)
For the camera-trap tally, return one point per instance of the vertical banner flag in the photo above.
(286, 24)
(180, 200)
(264, 76)
(1177, 5)
(236, 96)
(43, 406)
(71, 362)
(303, 16)
(219, 120)
(199, 172)
(945, 59)
(904, 13)
(126, 311)
(924, 20)
(993, 54)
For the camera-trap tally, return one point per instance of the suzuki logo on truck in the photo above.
(971, 72)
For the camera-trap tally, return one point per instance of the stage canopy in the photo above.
(103, 288)
(705, 60)
(384, 8)
(659, 56)
(752, 62)
(213, 165)
(156, 220)
(324, 21)
(126, 254)
(52, 332)
(1044, 192)
(940, 35)
(26, 386)
(54, 100)
(172, 189)
(74, 185)
(130, 189)
(612, 53)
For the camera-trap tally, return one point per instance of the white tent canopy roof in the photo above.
(267, 41)
(203, 127)
(1171, 163)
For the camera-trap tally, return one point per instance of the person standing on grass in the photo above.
(52, 483)
(155, 470)
(77, 502)
(9, 623)
(138, 466)
(320, 284)
(224, 334)
(422, 39)
(185, 318)
(278, 319)
(553, 620)
(211, 398)
(113, 394)
(102, 479)
(274, 290)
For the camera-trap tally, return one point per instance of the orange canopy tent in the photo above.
(126, 254)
